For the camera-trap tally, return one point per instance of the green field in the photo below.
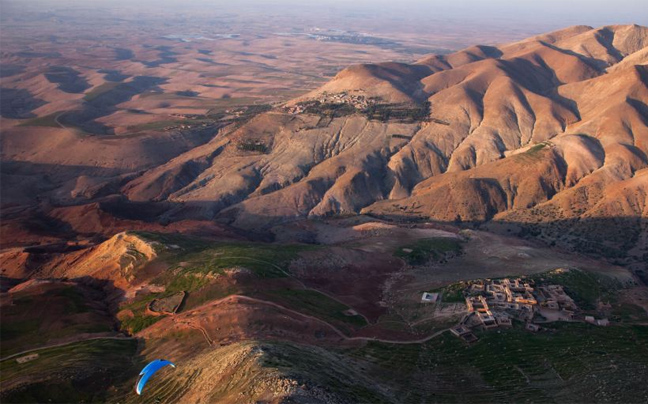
(427, 249)
(194, 263)
(536, 148)
(155, 126)
(585, 288)
(533, 154)
(517, 366)
(265, 261)
(204, 257)
(453, 293)
(79, 372)
(27, 322)
(317, 305)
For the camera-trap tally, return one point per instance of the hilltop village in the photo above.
(357, 101)
(334, 105)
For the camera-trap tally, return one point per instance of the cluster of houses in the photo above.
(358, 101)
(182, 126)
(186, 116)
(295, 109)
(496, 303)
(187, 125)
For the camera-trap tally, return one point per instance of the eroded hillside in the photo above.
(548, 130)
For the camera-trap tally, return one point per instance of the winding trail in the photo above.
(56, 119)
(211, 342)
(280, 307)
(75, 341)
(302, 285)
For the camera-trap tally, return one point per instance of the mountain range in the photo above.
(548, 134)
(279, 255)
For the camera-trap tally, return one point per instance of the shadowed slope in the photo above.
(509, 129)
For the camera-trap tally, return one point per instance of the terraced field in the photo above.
(255, 371)
(205, 269)
(319, 305)
(46, 313)
(557, 365)
(80, 372)
(554, 366)
(200, 256)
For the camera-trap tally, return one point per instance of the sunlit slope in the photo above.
(510, 131)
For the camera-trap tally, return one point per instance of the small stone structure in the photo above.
(166, 305)
(429, 297)
(464, 333)
(27, 358)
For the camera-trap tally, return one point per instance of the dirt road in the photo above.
(75, 341)
(329, 325)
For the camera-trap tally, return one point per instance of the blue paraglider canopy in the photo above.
(148, 371)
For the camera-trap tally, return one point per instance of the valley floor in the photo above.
(340, 320)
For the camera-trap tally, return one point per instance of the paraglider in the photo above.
(148, 371)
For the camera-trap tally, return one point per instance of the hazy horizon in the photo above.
(420, 16)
